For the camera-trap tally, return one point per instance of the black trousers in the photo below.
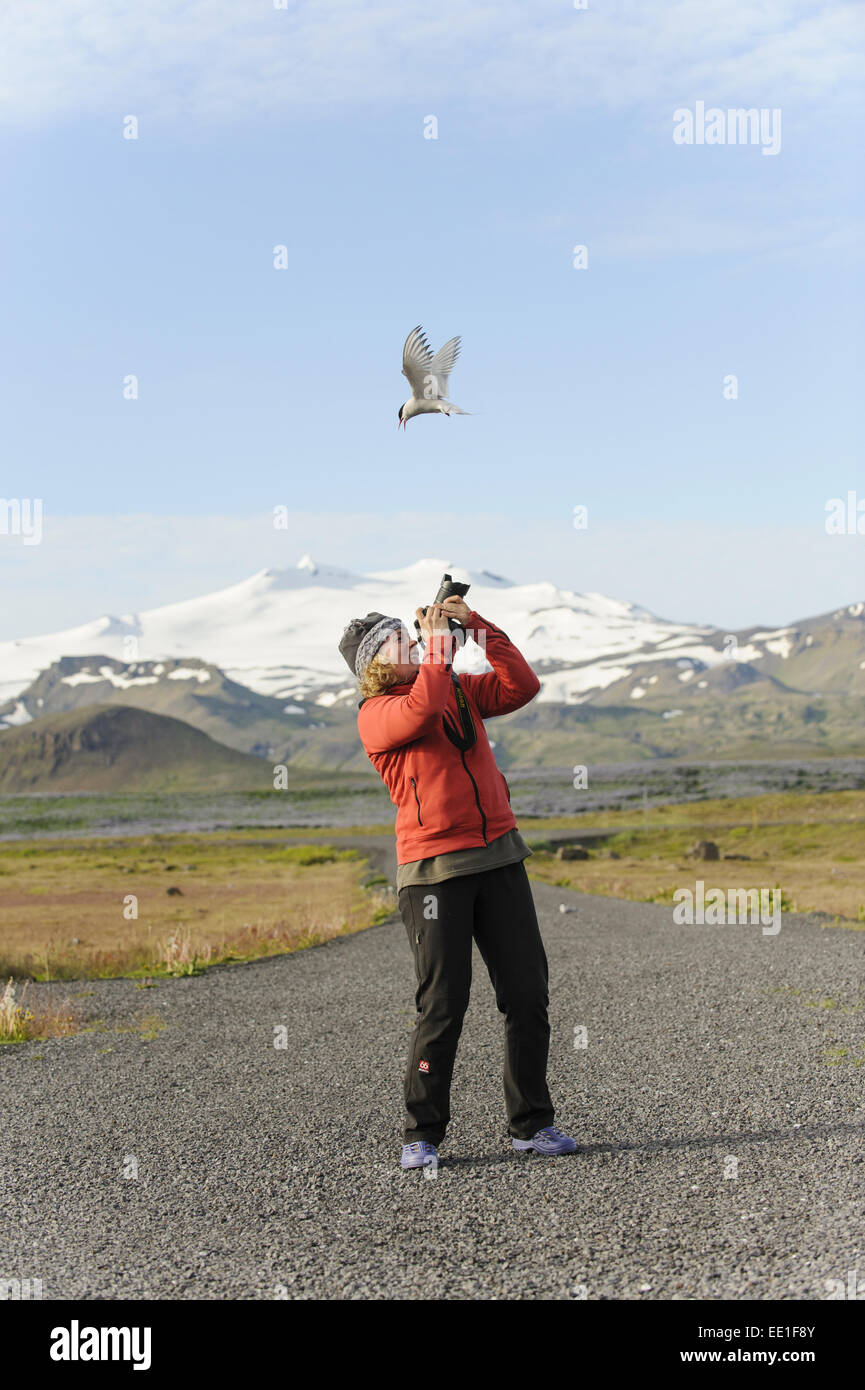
(495, 907)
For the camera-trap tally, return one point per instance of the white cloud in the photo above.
(223, 59)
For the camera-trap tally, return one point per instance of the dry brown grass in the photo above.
(812, 847)
(20, 1023)
(64, 904)
(804, 888)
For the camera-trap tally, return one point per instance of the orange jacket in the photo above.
(446, 797)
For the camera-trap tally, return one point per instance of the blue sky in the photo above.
(260, 387)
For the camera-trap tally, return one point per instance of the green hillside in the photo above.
(119, 748)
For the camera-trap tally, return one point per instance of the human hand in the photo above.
(456, 607)
(435, 620)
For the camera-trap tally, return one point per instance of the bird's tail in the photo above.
(455, 409)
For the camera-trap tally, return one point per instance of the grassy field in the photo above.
(162, 905)
(811, 846)
(168, 905)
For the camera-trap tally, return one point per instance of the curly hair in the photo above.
(378, 677)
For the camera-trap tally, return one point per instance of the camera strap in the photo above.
(469, 735)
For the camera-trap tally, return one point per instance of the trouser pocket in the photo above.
(414, 927)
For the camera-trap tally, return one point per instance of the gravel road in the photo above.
(718, 1118)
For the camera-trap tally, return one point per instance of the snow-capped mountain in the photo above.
(278, 634)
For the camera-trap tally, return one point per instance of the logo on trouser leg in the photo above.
(423, 1066)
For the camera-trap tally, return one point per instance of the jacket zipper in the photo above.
(414, 787)
(477, 798)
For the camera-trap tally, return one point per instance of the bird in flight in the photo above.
(427, 375)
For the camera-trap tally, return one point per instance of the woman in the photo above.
(460, 873)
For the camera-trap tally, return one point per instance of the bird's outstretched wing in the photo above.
(426, 374)
(442, 365)
(416, 360)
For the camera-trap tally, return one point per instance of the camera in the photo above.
(448, 589)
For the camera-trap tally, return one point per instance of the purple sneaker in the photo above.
(548, 1141)
(419, 1155)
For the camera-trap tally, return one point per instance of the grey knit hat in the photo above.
(363, 637)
